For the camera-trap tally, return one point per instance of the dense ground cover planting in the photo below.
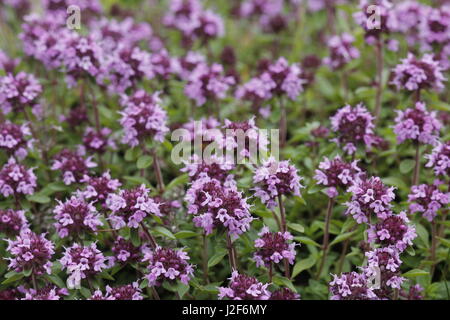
(353, 204)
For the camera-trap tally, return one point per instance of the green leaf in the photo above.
(406, 166)
(144, 162)
(144, 284)
(27, 273)
(39, 198)
(132, 154)
(216, 258)
(423, 234)
(180, 180)
(13, 278)
(314, 189)
(415, 273)
(303, 264)
(164, 232)
(85, 292)
(410, 250)
(182, 289)
(137, 180)
(342, 237)
(296, 227)
(183, 234)
(282, 281)
(263, 213)
(106, 275)
(445, 242)
(135, 239)
(307, 240)
(56, 280)
(396, 182)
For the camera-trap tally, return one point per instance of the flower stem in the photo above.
(417, 166)
(270, 272)
(326, 236)
(282, 214)
(231, 256)
(158, 173)
(379, 90)
(155, 293)
(283, 123)
(433, 247)
(205, 258)
(342, 257)
(149, 237)
(284, 229)
(33, 280)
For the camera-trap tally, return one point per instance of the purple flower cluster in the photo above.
(273, 247)
(243, 287)
(48, 292)
(205, 129)
(142, 118)
(98, 141)
(72, 165)
(83, 58)
(351, 286)
(284, 294)
(16, 179)
(354, 126)
(13, 222)
(18, 91)
(8, 64)
(216, 168)
(284, 79)
(125, 292)
(76, 216)
(417, 124)
(394, 230)
(82, 262)
(435, 26)
(206, 83)
(98, 188)
(342, 51)
(162, 64)
(276, 178)
(183, 66)
(414, 74)
(428, 199)
(115, 35)
(13, 139)
(369, 195)
(256, 90)
(124, 251)
(439, 159)
(384, 23)
(193, 21)
(216, 205)
(167, 264)
(130, 207)
(31, 252)
(254, 138)
(387, 261)
(336, 174)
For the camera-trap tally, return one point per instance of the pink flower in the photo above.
(167, 264)
(16, 179)
(130, 207)
(30, 251)
(243, 287)
(417, 124)
(273, 247)
(274, 179)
